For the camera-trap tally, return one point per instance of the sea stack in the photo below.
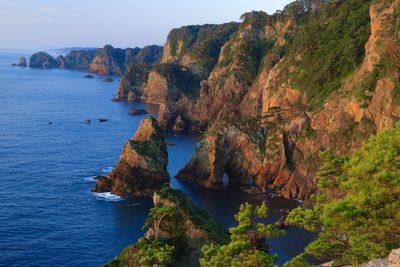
(22, 62)
(142, 167)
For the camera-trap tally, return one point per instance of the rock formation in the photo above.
(291, 123)
(142, 167)
(22, 62)
(42, 60)
(187, 230)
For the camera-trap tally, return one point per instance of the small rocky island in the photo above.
(142, 167)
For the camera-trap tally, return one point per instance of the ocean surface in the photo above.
(48, 157)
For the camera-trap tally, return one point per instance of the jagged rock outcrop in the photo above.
(142, 167)
(42, 60)
(22, 62)
(109, 61)
(188, 229)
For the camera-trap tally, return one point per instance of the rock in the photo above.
(22, 62)
(103, 184)
(61, 62)
(142, 167)
(14, 64)
(78, 59)
(281, 223)
(188, 230)
(88, 76)
(108, 79)
(394, 258)
(179, 125)
(167, 114)
(103, 120)
(42, 60)
(87, 121)
(137, 111)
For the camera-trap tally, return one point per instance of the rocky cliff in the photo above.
(288, 85)
(142, 167)
(184, 226)
(80, 59)
(189, 56)
(115, 61)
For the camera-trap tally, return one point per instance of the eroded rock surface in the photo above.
(142, 167)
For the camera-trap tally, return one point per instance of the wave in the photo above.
(107, 196)
(89, 179)
(107, 169)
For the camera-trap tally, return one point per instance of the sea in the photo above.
(49, 156)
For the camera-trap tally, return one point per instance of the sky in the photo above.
(46, 24)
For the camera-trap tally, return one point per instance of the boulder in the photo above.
(142, 167)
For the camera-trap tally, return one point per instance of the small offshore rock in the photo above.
(88, 76)
(103, 184)
(103, 120)
(108, 79)
(22, 62)
(137, 111)
(87, 121)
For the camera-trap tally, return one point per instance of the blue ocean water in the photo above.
(48, 156)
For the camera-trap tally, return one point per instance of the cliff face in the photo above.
(272, 75)
(189, 56)
(77, 59)
(187, 228)
(142, 167)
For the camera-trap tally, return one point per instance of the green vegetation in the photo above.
(197, 215)
(182, 78)
(146, 253)
(357, 209)
(331, 43)
(137, 75)
(202, 43)
(247, 246)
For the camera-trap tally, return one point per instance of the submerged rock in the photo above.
(88, 76)
(103, 120)
(108, 79)
(142, 167)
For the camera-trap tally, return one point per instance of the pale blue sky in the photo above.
(33, 24)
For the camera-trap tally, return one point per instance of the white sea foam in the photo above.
(107, 197)
(89, 179)
(107, 169)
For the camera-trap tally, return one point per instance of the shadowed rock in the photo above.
(142, 167)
